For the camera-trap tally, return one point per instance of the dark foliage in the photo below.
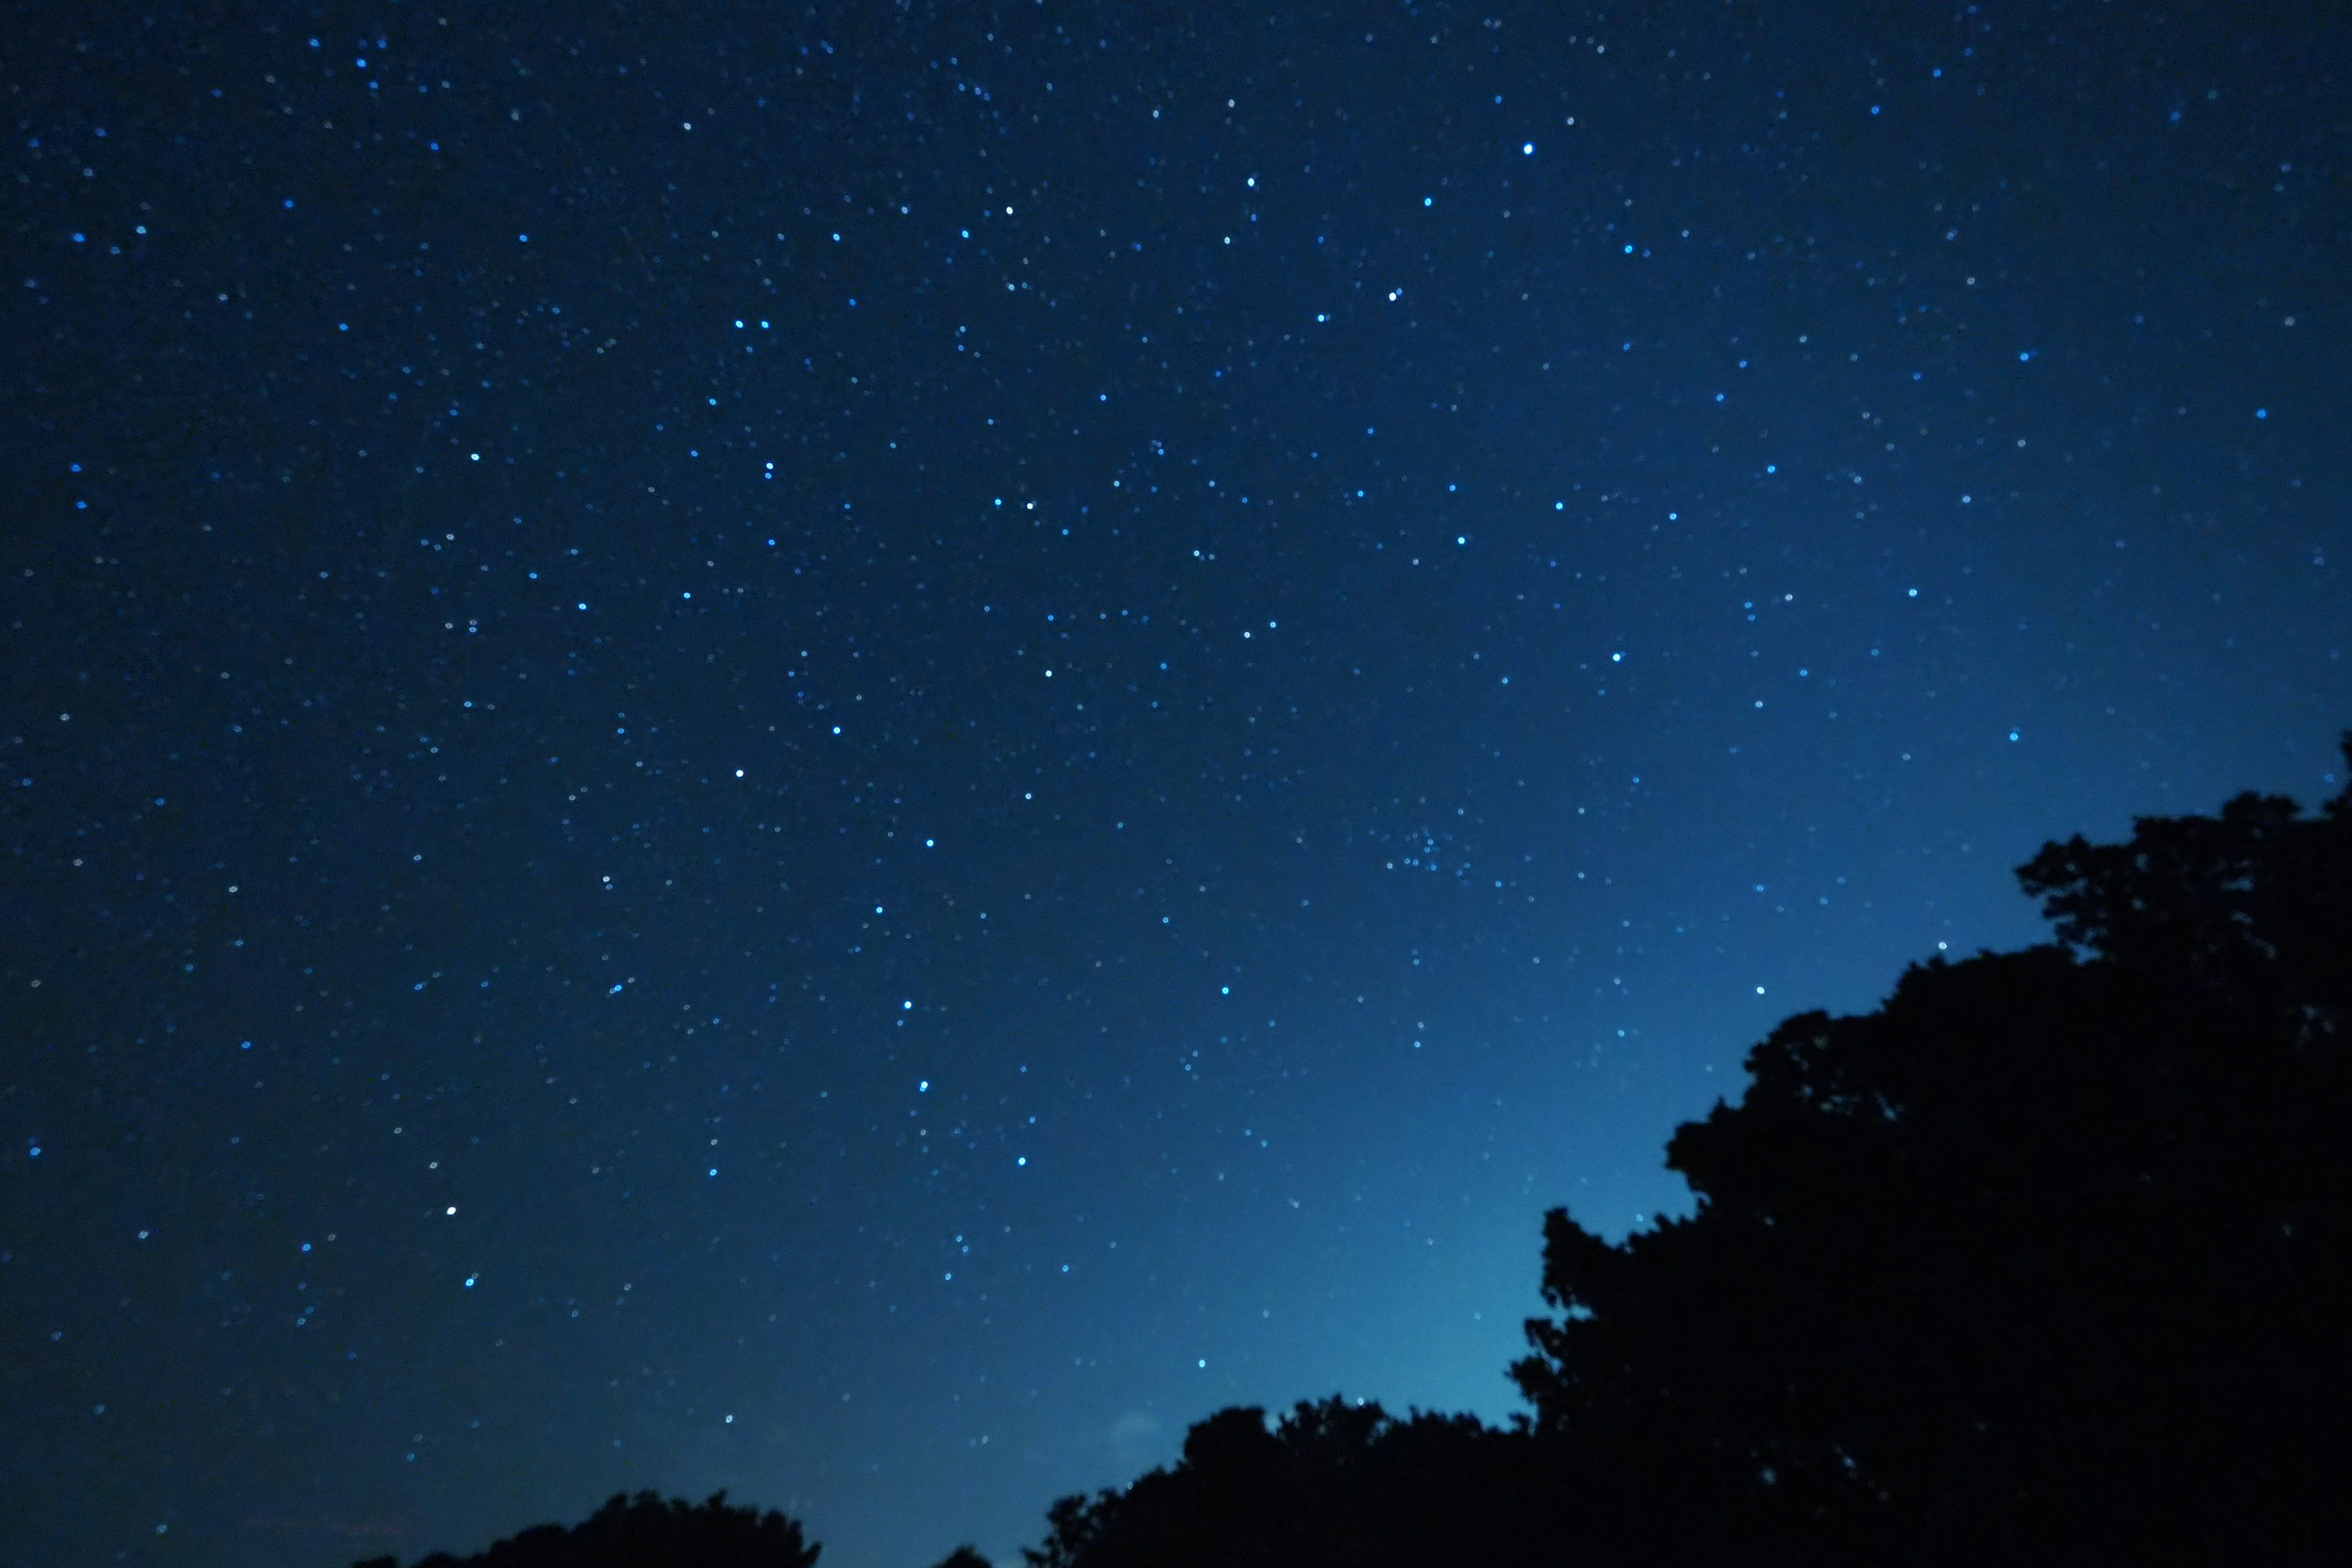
(2046, 1260)
(1332, 1484)
(965, 1556)
(644, 1532)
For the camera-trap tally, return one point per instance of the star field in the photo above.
(860, 752)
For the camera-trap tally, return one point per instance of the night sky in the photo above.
(861, 753)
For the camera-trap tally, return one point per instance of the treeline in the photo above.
(644, 1532)
(2047, 1260)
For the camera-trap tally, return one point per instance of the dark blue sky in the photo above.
(859, 753)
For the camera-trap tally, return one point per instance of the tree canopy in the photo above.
(644, 1532)
(1333, 1483)
(2044, 1259)
(2047, 1259)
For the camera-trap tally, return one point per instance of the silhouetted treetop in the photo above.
(1333, 1484)
(2256, 901)
(2045, 1258)
(644, 1532)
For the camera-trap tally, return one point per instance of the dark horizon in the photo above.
(862, 762)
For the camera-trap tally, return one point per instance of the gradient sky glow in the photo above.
(860, 752)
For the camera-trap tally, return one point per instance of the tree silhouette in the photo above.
(965, 1556)
(644, 1532)
(2045, 1261)
(1334, 1485)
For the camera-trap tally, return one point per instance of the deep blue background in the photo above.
(859, 753)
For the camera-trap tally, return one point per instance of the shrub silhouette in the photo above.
(644, 1532)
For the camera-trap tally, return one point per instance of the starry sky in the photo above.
(859, 752)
